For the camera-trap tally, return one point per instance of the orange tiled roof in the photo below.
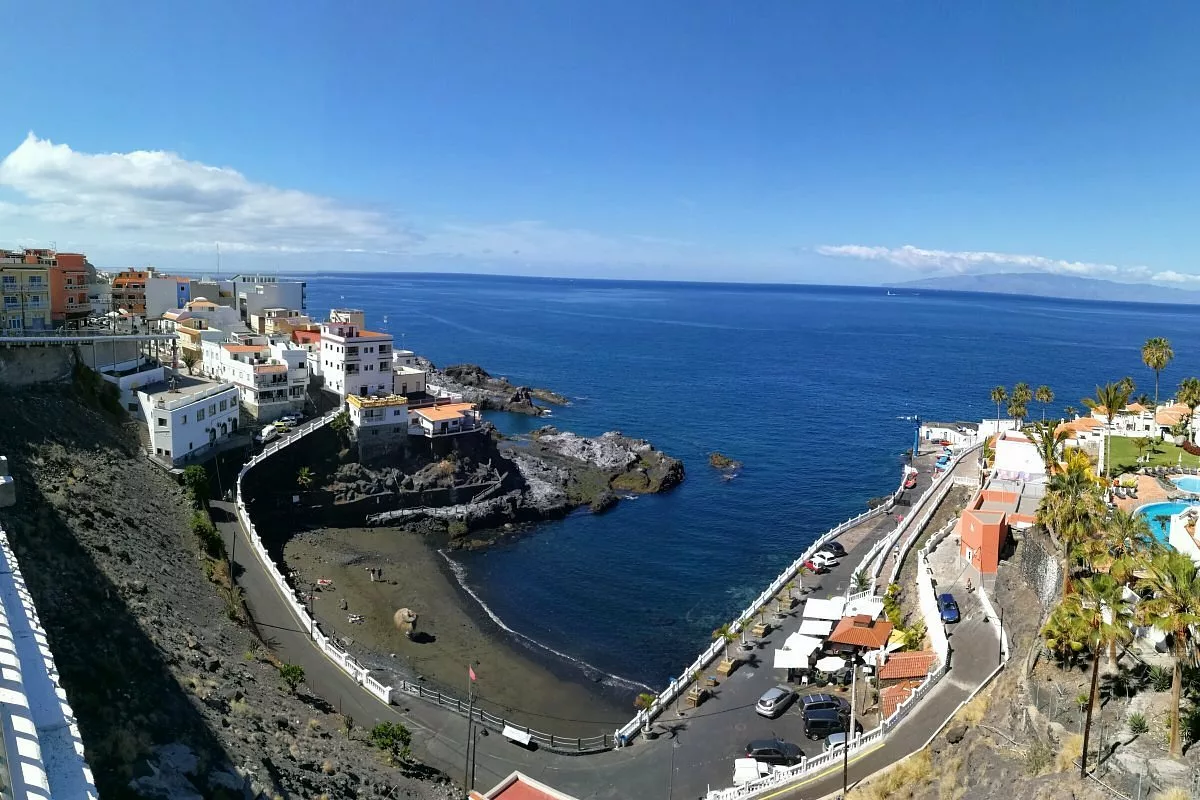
(1135, 408)
(892, 696)
(862, 631)
(1169, 415)
(242, 348)
(907, 665)
(373, 335)
(306, 336)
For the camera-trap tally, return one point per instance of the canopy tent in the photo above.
(1018, 459)
(830, 664)
(790, 659)
(830, 609)
(816, 627)
(869, 656)
(805, 645)
(870, 606)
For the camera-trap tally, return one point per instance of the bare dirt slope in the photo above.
(173, 698)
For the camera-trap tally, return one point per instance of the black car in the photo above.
(774, 751)
(822, 702)
(820, 723)
(835, 548)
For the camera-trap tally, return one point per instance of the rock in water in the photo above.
(722, 461)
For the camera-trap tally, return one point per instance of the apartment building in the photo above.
(188, 417)
(272, 379)
(280, 322)
(149, 293)
(355, 361)
(255, 293)
(25, 289)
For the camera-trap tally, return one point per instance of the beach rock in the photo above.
(722, 461)
(956, 733)
(604, 501)
(477, 386)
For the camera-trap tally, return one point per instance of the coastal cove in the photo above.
(812, 389)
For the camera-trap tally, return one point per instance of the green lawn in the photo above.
(1124, 455)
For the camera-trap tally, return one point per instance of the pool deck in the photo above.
(1149, 491)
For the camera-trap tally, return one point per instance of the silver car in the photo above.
(775, 701)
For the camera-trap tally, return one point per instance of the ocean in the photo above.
(814, 389)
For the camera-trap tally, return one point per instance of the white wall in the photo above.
(254, 297)
(407, 380)
(164, 294)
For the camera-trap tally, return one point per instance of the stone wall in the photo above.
(25, 366)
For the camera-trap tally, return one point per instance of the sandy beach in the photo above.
(453, 632)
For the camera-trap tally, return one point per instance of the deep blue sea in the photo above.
(810, 387)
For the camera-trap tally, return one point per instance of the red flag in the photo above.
(471, 671)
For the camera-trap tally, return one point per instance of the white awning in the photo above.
(804, 645)
(517, 735)
(830, 609)
(871, 606)
(816, 627)
(790, 659)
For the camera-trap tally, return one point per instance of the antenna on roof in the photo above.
(218, 259)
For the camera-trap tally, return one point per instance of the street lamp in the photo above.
(855, 661)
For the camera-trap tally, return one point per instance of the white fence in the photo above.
(335, 654)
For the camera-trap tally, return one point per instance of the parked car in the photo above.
(821, 723)
(291, 419)
(816, 568)
(774, 701)
(830, 558)
(836, 548)
(267, 434)
(822, 701)
(835, 740)
(947, 608)
(774, 751)
(746, 770)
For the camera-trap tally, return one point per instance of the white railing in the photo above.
(334, 653)
(679, 684)
(990, 611)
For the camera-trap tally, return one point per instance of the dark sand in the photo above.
(453, 631)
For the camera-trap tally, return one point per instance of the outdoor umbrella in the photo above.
(830, 664)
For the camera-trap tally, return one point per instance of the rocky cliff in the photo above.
(491, 393)
(174, 700)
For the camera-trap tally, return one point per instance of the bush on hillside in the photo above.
(208, 536)
(195, 478)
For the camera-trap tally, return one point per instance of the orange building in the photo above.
(984, 526)
(68, 283)
(129, 290)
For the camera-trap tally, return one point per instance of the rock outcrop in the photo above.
(491, 393)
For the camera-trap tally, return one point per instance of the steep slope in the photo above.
(173, 698)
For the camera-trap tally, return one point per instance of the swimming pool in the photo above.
(1153, 510)
(1189, 483)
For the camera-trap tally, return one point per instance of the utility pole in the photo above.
(849, 725)
(470, 737)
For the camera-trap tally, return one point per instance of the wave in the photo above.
(606, 678)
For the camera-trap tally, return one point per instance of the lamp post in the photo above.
(850, 727)
(1000, 643)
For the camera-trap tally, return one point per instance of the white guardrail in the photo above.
(937, 635)
(335, 654)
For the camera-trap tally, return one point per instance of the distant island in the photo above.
(1040, 284)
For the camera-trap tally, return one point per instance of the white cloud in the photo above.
(1171, 276)
(153, 201)
(968, 261)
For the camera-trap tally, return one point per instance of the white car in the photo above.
(267, 434)
(825, 559)
(746, 770)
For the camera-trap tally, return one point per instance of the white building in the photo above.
(165, 293)
(255, 293)
(272, 379)
(279, 321)
(353, 360)
(407, 377)
(959, 434)
(448, 419)
(100, 296)
(1018, 459)
(188, 416)
(1134, 420)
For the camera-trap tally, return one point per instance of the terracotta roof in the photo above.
(907, 665)
(1083, 424)
(892, 696)
(242, 348)
(518, 786)
(862, 631)
(447, 411)
(1135, 408)
(306, 336)
(373, 335)
(1169, 415)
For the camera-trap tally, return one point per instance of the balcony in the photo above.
(351, 354)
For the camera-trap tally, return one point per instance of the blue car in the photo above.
(948, 608)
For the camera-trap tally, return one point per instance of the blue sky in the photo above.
(775, 141)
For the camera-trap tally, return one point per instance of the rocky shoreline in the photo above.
(514, 483)
(490, 393)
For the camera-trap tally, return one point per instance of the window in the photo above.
(35, 280)
(183, 419)
(199, 415)
(162, 422)
(11, 301)
(223, 405)
(14, 324)
(212, 409)
(9, 280)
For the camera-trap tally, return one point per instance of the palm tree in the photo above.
(1045, 396)
(1109, 400)
(725, 634)
(1128, 384)
(1174, 609)
(1071, 412)
(190, 360)
(1129, 542)
(1100, 608)
(1021, 395)
(1189, 394)
(1063, 636)
(1072, 510)
(999, 395)
(1048, 441)
(304, 477)
(340, 424)
(1156, 354)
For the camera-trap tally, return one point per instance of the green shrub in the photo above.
(393, 738)
(292, 676)
(208, 536)
(457, 528)
(195, 478)
(1137, 723)
(1160, 678)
